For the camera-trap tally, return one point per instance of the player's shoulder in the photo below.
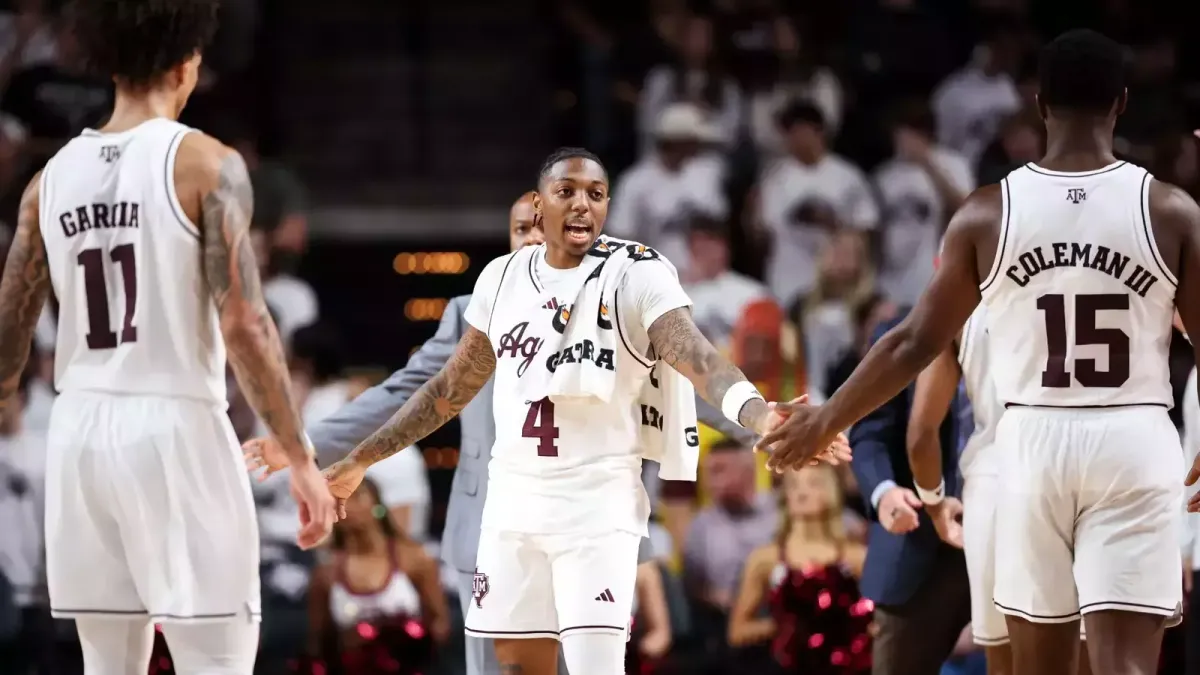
(985, 204)
(1171, 203)
(204, 155)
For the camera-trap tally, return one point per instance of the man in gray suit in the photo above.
(335, 436)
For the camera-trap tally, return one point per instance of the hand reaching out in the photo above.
(264, 452)
(344, 478)
(835, 451)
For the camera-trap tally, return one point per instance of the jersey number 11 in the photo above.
(95, 288)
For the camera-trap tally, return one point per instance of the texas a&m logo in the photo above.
(479, 588)
(515, 345)
(1076, 195)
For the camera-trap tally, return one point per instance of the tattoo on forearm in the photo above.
(255, 350)
(23, 292)
(678, 342)
(436, 402)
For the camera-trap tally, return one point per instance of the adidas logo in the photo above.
(606, 596)
(552, 304)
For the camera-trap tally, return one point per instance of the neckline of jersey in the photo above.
(1074, 174)
(115, 134)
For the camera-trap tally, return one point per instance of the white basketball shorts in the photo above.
(979, 545)
(1089, 510)
(148, 511)
(552, 585)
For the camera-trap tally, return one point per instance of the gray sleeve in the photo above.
(710, 416)
(335, 436)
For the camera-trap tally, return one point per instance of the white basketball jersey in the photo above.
(135, 316)
(574, 466)
(1079, 298)
(974, 354)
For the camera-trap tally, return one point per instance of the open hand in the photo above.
(946, 520)
(344, 478)
(264, 452)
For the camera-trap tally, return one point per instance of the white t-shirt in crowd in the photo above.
(293, 301)
(718, 304)
(403, 480)
(970, 106)
(790, 193)
(653, 206)
(914, 217)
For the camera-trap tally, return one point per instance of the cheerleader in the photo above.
(815, 620)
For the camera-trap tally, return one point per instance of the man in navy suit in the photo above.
(919, 584)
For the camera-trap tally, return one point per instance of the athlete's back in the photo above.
(1079, 300)
(135, 314)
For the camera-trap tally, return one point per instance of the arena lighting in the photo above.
(432, 262)
(425, 309)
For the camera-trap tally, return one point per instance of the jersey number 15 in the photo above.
(95, 287)
(1057, 375)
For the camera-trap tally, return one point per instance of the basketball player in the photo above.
(565, 509)
(1079, 259)
(141, 228)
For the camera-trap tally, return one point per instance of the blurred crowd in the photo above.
(798, 162)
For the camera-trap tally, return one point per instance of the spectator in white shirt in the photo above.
(654, 199)
(801, 199)
(972, 102)
(719, 295)
(695, 78)
(919, 188)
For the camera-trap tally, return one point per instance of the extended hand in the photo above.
(344, 478)
(316, 504)
(946, 520)
(1193, 504)
(264, 452)
(796, 440)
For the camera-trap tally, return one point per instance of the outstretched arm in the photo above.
(23, 292)
(436, 402)
(678, 342)
(231, 273)
(933, 395)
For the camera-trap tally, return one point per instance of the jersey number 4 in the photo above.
(1056, 374)
(95, 287)
(542, 429)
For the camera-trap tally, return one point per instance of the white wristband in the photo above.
(932, 497)
(736, 397)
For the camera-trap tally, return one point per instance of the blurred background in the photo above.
(796, 160)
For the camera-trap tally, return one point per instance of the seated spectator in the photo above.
(974, 101)
(844, 280)
(920, 188)
(816, 620)
(26, 36)
(803, 199)
(655, 198)
(697, 78)
(723, 534)
(719, 294)
(378, 605)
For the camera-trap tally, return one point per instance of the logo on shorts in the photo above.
(606, 596)
(479, 587)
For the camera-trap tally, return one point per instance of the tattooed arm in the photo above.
(23, 292)
(678, 342)
(225, 205)
(436, 402)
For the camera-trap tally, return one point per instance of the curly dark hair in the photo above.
(138, 41)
